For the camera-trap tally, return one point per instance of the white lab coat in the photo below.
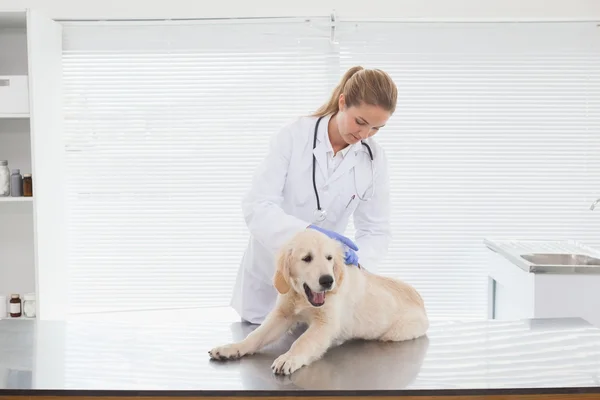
(281, 202)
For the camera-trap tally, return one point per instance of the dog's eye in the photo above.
(307, 258)
(329, 258)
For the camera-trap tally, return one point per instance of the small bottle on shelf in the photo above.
(15, 306)
(4, 179)
(16, 183)
(29, 305)
(27, 185)
(3, 304)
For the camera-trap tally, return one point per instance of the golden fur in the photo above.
(358, 305)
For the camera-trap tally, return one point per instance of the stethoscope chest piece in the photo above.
(320, 215)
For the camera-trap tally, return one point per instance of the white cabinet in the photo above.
(14, 95)
(516, 293)
(30, 117)
(511, 289)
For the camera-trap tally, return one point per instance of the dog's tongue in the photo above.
(318, 297)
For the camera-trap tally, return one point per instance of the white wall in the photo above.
(348, 9)
(13, 57)
(17, 271)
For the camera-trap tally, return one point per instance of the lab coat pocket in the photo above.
(364, 182)
(300, 190)
(301, 197)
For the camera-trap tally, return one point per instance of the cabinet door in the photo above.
(512, 291)
(509, 303)
(44, 42)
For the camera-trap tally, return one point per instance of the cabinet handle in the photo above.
(4, 82)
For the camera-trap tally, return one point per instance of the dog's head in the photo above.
(312, 265)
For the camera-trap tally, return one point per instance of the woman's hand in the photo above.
(350, 257)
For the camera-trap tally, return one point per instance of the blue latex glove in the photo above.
(350, 257)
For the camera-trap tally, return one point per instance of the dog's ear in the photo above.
(282, 270)
(339, 266)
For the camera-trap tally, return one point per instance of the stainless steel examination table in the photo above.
(546, 359)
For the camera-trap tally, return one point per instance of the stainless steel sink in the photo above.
(560, 259)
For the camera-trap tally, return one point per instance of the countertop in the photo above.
(512, 250)
(128, 359)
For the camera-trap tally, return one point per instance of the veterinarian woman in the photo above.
(320, 170)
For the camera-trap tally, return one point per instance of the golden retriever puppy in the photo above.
(338, 302)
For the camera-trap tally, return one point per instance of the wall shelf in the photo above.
(14, 116)
(15, 199)
(22, 318)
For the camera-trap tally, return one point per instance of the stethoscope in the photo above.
(321, 214)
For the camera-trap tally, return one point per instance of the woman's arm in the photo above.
(372, 219)
(261, 206)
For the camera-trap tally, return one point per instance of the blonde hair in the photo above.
(362, 86)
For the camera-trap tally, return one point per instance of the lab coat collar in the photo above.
(344, 151)
(323, 146)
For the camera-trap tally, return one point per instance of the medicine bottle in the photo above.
(15, 305)
(27, 185)
(16, 183)
(4, 179)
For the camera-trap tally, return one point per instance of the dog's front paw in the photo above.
(286, 364)
(228, 352)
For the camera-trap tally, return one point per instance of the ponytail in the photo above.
(333, 106)
(360, 85)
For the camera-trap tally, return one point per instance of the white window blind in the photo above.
(497, 134)
(165, 123)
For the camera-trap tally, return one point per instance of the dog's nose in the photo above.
(326, 281)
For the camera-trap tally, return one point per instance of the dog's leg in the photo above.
(275, 325)
(409, 327)
(310, 346)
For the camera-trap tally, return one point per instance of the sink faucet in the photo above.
(594, 204)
